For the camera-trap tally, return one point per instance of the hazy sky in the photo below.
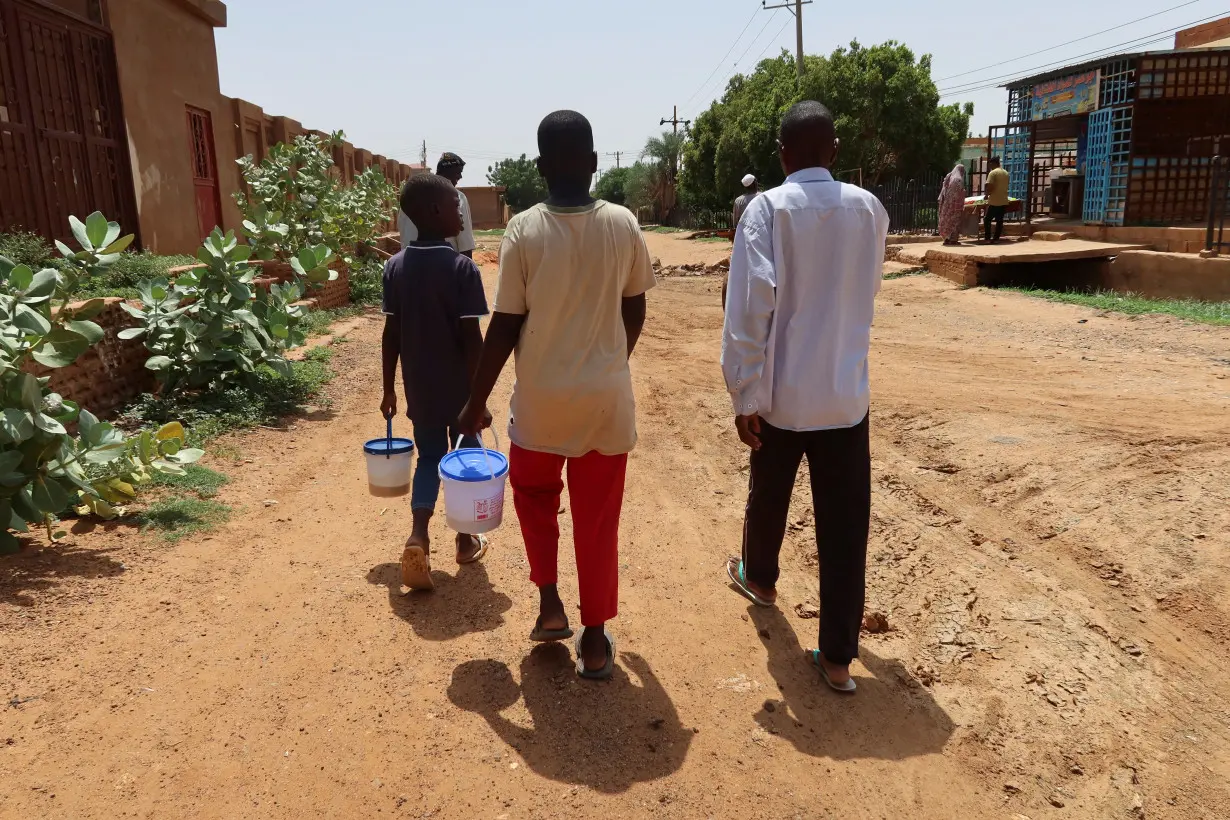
(476, 76)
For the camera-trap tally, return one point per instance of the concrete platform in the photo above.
(971, 264)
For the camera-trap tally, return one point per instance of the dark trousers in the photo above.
(839, 462)
(995, 213)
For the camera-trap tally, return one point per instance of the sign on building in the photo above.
(1074, 94)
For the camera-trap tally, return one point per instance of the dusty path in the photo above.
(1050, 546)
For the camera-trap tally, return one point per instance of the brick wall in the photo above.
(108, 375)
(112, 373)
(1203, 35)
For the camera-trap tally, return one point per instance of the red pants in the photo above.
(596, 491)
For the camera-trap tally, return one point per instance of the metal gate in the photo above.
(1106, 177)
(1097, 167)
(63, 148)
(204, 171)
(1014, 144)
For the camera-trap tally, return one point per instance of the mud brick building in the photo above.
(114, 105)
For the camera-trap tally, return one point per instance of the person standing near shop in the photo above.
(997, 201)
(450, 167)
(804, 275)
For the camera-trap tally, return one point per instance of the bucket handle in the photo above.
(388, 441)
(486, 452)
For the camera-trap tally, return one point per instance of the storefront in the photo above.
(1126, 140)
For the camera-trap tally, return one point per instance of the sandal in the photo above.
(477, 556)
(847, 688)
(597, 674)
(734, 571)
(416, 568)
(540, 635)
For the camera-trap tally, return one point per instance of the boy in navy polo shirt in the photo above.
(433, 300)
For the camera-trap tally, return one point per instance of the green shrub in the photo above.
(43, 469)
(367, 282)
(210, 413)
(29, 249)
(213, 326)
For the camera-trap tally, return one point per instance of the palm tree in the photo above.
(663, 155)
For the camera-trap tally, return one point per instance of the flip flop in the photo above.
(740, 581)
(847, 688)
(540, 635)
(599, 674)
(416, 568)
(478, 556)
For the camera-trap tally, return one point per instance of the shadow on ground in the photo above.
(461, 604)
(605, 735)
(885, 720)
(37, 570)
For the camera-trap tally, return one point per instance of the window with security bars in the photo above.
(1199, 74)
(1117, 83)
(1020, 104)
(1169, 190)
(202, 144)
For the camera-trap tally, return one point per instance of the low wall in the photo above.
(112, 373)
(1169, 240)
(1170, 276)
(108, 375)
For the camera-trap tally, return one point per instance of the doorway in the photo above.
(204, 171)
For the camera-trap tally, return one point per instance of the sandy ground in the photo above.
(1050, 541)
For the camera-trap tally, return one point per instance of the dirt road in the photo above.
(1050, 545)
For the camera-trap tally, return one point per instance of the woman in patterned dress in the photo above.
(952, 205)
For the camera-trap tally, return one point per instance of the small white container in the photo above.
(474, 479)
(388, 465)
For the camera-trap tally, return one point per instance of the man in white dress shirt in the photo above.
(450, 167)
(803, 279)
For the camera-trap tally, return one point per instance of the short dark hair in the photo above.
(565, 134)
(997, 160)
(420, 193)
(807, 122)
(449, 160)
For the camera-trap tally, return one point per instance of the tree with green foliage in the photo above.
(524, 186)
(662, 156)
(612, 185)
(885, 104)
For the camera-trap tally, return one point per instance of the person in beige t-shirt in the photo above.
(571, 303)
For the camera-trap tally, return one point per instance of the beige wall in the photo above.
(166, 58)
(486, 207)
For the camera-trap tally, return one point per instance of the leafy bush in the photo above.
(367, 282)
(211, 413)
(30, 249)
(44, 470)
(294, 200)
(213, 325)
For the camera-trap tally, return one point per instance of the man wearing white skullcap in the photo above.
(741, 203)
(749, 182)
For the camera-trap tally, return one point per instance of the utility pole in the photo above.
(424, 154)
(617, 156)
(675, 121)
(796, 8)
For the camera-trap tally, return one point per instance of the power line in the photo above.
(752, 45)
(723, 60)
(992, 82)
(1070, 42)
(773, 41)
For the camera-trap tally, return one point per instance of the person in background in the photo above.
(804, 276)
(571, 303)
(433, 300)
(753, 188)
(450, 167)
(741, 201)
(952, 205)
(997, 201)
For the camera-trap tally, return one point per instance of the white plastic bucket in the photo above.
(388, 465)
(474, 479)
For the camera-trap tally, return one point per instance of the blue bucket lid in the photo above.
(470, 464)
(388, 447)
